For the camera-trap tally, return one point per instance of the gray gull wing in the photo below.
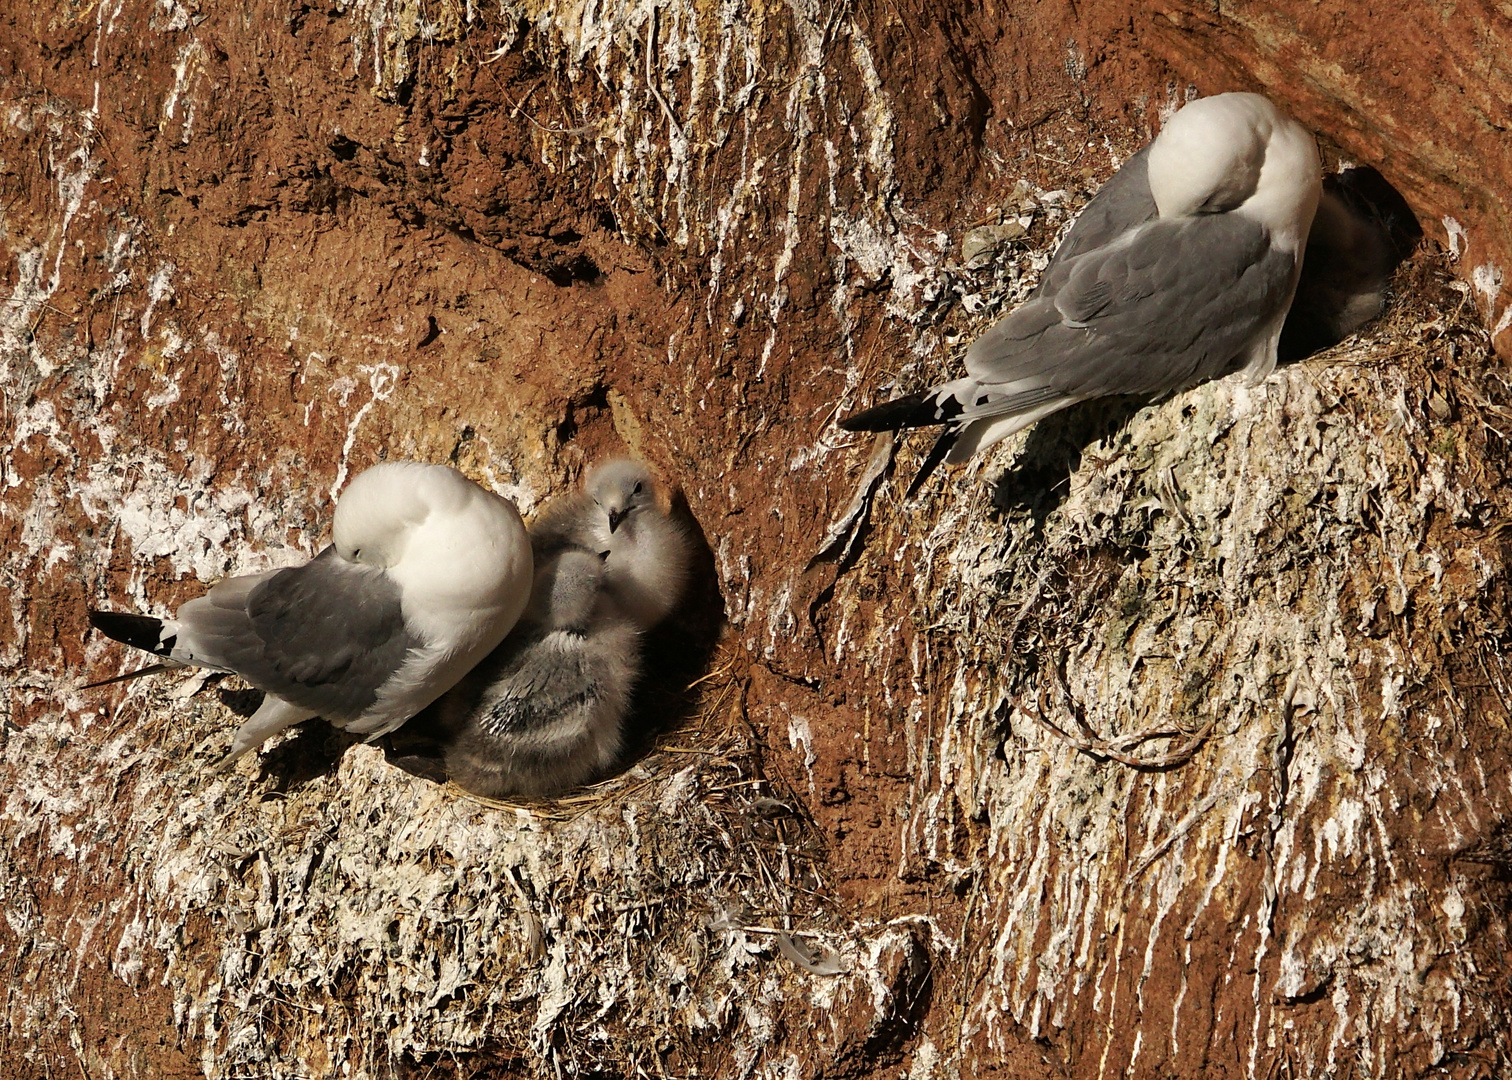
(1174, 302)
(1123, 203)
(324, 636)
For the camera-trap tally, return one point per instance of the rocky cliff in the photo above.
(1169, 740)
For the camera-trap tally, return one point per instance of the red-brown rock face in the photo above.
(1167, 740)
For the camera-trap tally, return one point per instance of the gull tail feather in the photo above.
(923, 409)
(139, 631)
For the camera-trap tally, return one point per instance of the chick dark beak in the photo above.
(615, 517)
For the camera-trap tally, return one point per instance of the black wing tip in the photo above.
(910, 411)
(139, 631)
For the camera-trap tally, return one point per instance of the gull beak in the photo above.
(615, 517)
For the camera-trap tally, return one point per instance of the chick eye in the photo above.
(637, 490)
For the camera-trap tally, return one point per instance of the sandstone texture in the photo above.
(1167, 740)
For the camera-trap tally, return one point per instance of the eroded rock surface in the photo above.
(1170, 740)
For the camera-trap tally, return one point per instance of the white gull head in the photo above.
(448, 543)
(460, 557)
(1238, 153)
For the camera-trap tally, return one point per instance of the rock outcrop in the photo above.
(1169, 740)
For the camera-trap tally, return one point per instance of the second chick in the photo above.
(542, 713)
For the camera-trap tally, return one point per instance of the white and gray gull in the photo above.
(1142, 302)
(647, 552)
(543, 712)
(426, 573)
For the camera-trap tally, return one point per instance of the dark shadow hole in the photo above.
(579, 268)
(677, 653)
(1361, 233)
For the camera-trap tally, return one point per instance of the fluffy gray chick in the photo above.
(543, 712)
(647, 553)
